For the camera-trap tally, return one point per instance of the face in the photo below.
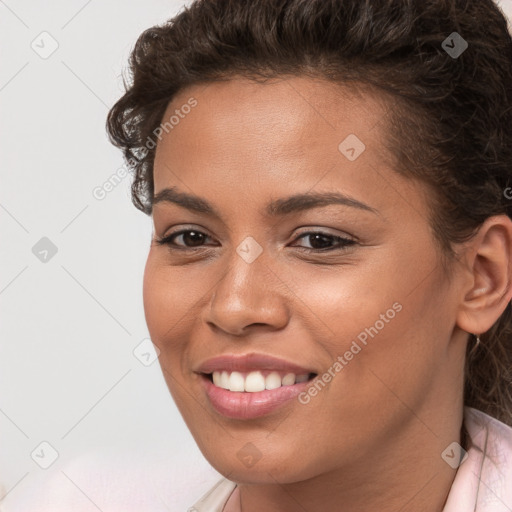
(344, 281)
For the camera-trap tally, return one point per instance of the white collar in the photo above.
(483, 482)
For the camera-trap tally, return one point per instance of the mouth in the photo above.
(247, 386)
(250, 395)
(255, 381)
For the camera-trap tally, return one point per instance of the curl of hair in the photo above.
(450, 119)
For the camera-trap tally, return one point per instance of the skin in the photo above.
(372, 438)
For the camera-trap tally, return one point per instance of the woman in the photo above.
(329, 280)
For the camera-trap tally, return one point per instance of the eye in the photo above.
(323, 242)
(192, 236)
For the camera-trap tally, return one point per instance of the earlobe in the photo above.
(490, 264)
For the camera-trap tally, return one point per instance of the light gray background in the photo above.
(69, 326)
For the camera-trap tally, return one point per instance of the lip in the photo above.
(250, 362)
(246, 406)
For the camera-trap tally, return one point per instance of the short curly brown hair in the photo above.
(450, 125)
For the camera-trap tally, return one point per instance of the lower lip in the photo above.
(246, 406)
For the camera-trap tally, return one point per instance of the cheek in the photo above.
(341, 301)
(157, 298)
(380, 320)
(167, 305)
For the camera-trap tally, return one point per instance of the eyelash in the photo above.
(344, 243)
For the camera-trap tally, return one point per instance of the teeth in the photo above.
(255, 381)
(301, 378)
(289, 379)
(273, 381)
(224, 380)
(236, 381)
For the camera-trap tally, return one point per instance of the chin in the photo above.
(241, 468)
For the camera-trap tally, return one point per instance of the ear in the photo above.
(488, 289)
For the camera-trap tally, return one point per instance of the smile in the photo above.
(254, 394)
(256, 381)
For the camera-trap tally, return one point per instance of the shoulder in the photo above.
(481, 420)
(491, 437)
(483, 482)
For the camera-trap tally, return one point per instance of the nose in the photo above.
(246, 296)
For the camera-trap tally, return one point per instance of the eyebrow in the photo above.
(275, 208)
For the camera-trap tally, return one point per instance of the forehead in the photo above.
(289, 116)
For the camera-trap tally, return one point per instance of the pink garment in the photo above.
(483, 482)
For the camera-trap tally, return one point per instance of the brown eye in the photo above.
(320, 241)
(190, 238)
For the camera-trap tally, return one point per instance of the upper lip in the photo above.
(250, 362)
